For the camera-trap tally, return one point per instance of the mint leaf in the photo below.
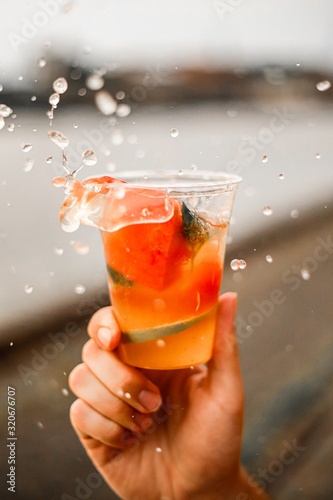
(118, 278)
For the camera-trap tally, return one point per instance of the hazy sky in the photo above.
(131, 33)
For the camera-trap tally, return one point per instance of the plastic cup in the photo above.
(165, 258)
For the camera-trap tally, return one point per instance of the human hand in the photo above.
(163, 435)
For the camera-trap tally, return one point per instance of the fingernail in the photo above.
(104, 336)
(150, 400)
(143, 421)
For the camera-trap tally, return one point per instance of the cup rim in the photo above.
(182, 181)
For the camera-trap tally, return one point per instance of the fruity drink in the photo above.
(164, 240)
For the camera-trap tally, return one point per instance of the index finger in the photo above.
(104, 329)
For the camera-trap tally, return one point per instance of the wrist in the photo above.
(247, 489)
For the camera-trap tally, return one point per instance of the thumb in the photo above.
(224, 368)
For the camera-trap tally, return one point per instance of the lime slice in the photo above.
(138, 336)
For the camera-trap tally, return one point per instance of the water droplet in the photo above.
(120, 95)
(51, 274)
(324, 85)
(58, 250)
(294, 213)
(159, 450)
(95, 82)
(234, 264)
(26, 148)
(281, 177)
(89, 158)
(60, 85)
(127, 395)
(160, 343)
(40, 425)
(298, 64)
(232, 113)
(20, 78)
(267, 211)
(194, 167)
(318, 156)
(11, 344)
(117, 137)
(59, 139)
(110, 166)
(264, 159)
(269, 258)
(33, 98)
(28, 288)
(123, 110)
(28, 164)
(75, 125)
(54, 99)
(120, 392)
(180, 172)
(105, 103)
(174, 132)
(5, 110)
(11, 127)
(41, 62)
(242, 264)
(2, 122)
(305, 274)
(81, 248)
(1, 87)
(80, 289)
(49, 159)
(64, 392)
(82, 92)
(119, 192)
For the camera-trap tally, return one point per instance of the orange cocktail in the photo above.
(164, 240)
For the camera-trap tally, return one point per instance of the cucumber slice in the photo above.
(139, 336)
(118, 278)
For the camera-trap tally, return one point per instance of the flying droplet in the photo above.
(2, 122)
(81, 248)
(180, 173)
(324, 85)
(33, 98)
(54, 99)
(242, 264)
(123, 110)
(11, 127)
(41, 62)
(298, 64)
(281, 177)
(160, 343)
(174, 132)
(267, 211)
(59, 139)
(232, 113)
(80, 289)
(40, 425)
(234, 264)
(269, 258)
(105, 103)
(28, 288)
(264, 159)
(95, 82)
(11, 344)
(58, 251)
(75, 125)
(159, 450)
(26, 148)
(294, 213)
(1, 87)
(305, 274)
(5, 110)
(120, 95)
(89, 157)
(20, 78)
(128, 395)
(117, 137)
(60, 85)
(64, 392)
(49, 159)
(51, 274)
(318, 156)
(28, 164)
(82, 92)
(194, 167)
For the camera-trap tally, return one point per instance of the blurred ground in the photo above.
(286, 364)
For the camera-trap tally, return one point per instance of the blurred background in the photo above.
(246, 85)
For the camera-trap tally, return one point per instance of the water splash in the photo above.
(60, 85)
(26, 148)
(5, 111)
(89, 158)
(323, 86)
(105, 103)
(59, 139)
(237, 264)
(54, 99)
(267, 211)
